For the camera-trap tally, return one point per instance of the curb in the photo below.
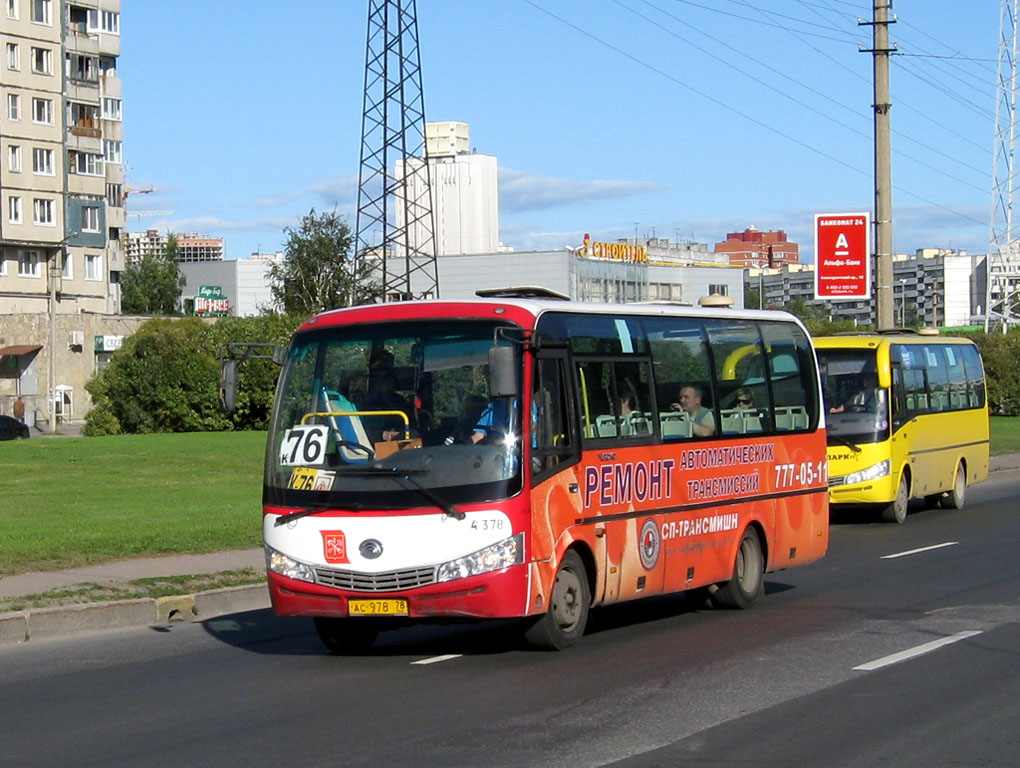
(46, 623)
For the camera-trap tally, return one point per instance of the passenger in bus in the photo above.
(382, 396)
(743, 398)
(702, 419)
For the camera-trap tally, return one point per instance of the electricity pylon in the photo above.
(1002, 267)
(395, 223)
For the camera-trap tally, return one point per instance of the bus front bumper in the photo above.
(499, 594)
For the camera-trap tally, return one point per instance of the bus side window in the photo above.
(679, 358)
(741, 388)
(975, 376)
(792, 376)
(957, 377)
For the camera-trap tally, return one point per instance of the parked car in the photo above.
(12, 429)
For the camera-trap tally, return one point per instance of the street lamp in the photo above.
(55, 270)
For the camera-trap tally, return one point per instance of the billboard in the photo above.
(842, 256)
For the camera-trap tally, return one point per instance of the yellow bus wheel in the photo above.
(955, 497)
(896, 510)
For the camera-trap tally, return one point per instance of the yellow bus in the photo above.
(907, 417)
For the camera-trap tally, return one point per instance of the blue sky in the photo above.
(667, 117)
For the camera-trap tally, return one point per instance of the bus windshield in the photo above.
(858, 409)
(394, 416)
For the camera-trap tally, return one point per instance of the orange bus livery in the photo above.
(530, 457)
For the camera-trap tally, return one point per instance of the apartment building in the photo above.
(61, 177)
(191, 246)
(755, 248)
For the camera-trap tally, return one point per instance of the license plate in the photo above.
(389, 607)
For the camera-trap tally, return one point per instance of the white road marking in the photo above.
(436, 659)
(922, 549)
(918, 650)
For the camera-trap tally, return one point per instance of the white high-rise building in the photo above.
(464, 191)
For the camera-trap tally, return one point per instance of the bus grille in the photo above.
(836, 481)
(375, 582)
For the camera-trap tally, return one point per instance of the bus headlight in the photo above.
(873, 472)
(277, 562)
(502, 554)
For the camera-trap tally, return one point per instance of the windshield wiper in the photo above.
(405, 474)
(284, 519)
(843, 441)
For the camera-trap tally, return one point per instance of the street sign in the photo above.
(842, 256)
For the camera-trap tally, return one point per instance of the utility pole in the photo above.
(880, 50)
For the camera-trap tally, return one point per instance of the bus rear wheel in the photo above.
(955, 497)
(896, 510)
(343, 636)
(563, 624)
(748, 574)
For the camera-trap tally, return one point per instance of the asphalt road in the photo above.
(860, 659)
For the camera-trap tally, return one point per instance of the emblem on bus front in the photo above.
(649, 544)
(370, 549)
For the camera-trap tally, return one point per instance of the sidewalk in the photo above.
(39, 623)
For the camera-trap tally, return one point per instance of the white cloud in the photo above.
(519, 191)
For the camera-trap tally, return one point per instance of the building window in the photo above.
(42, 162)
(111, 22)
(28, 264)
(13, 56)
(42, 61)
(85, 163)
(42, 12)
(90, 218)
(14, 158)
(43, 211)
(720, 289)
(66, 266)
(12, 9)
(14, 210)
(83, 67)
(93, 266)
(83, 115)
(111, 108)
(115, 195)
(42, 111)
(112, 151)
(107, 66)
(13, 106)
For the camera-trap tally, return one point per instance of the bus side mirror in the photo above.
(228, 385)
(502, 372)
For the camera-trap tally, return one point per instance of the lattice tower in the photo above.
(1002, 291)
(395, 222)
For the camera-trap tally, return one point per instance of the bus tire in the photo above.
(563, 624)
(955, 497)
(896, 510)
(748, 574)
(343, 636)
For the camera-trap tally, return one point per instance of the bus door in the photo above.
(553, 451)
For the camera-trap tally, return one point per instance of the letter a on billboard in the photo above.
(842, 256)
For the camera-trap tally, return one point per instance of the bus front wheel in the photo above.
(896, 510)
(955, 497)
(343, 636)
(748, 573)
(563, 624)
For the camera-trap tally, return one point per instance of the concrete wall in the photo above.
(28, 375)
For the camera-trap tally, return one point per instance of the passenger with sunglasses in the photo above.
(744, 398)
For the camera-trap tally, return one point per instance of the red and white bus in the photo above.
(522, 456)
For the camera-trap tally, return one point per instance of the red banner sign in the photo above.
(842, 256)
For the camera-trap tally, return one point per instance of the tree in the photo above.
(318, 270)
(152, 285)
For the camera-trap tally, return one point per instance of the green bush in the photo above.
(165, 378)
